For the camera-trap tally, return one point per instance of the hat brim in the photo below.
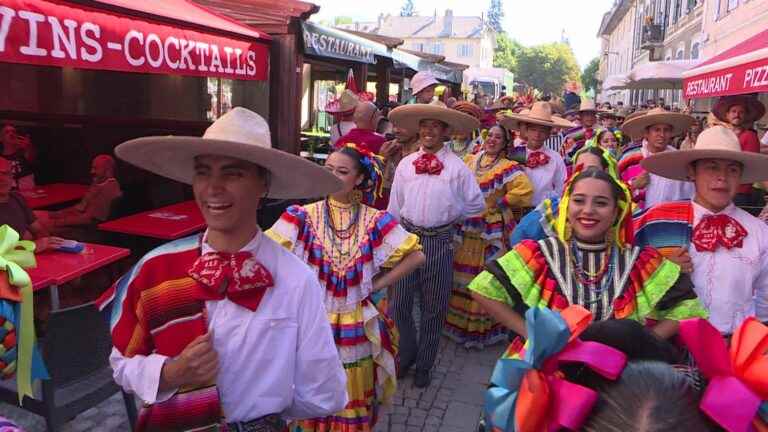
(673, 165)
(291, 177)
(513, 121)
(636, 126)
(408, 117)
(754, 108)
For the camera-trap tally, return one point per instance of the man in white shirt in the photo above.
(432, 190)
(728, 247)
(227, 329)
(658, 127)
(543, 166)
(343, 111)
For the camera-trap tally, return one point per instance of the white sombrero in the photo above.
(539, 114)
(635, 126)
(409, 116)
(422, 80)
(240, 134)
(717, 142)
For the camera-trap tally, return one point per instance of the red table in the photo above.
(52, 194)
(166, 223)
(56, 268)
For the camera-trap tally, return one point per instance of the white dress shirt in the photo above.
(279, 359)
(733, 283)
(548, 180)
(434, 200)
(661, 190)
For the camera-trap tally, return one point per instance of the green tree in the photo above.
(408, 9)
(589, 76)
(547, 67)
(496, 16)
(339, 20)
(506, 53)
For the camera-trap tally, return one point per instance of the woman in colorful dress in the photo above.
(483, 238)
(609, 140)
(357, 252)
(590, 262)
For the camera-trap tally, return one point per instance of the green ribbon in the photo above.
(15, 256)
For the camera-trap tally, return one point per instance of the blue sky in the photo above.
(529, 21)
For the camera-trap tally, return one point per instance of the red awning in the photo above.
(739, 70)
(163, 37)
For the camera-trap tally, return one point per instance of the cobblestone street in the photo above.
(451, 404)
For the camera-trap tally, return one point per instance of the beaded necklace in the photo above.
(342, 240)
(479, 166)
(596, 282)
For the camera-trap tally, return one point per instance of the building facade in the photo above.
(617, 53)
(728, 22)
(466, 40)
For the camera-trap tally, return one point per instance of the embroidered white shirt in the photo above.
(435, 200)
(280, 359)
(733, 283)
(661, 190)
(548, 180)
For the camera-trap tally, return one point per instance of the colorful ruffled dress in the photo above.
(484, 238)
(638, 284)
(347, 246)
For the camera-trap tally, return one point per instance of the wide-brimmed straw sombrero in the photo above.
(587, 106)
(539, 114)
(239, 134)
(344, 104)
(717, 142)
(409, 116)
(635, 126)
(755, 110)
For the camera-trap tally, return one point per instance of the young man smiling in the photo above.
(728, 247)
(432, 190)
(658, 127)
(226, 329)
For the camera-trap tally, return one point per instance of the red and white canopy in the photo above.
(741, 69)
(163, 37)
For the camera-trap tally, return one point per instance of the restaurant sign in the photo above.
(329, 42)
(741, 79)
(57, 34)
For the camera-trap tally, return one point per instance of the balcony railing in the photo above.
(653, 36)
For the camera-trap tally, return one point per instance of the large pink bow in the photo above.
(738, 380)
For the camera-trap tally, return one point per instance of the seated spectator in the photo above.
(16, 149)
(364, 134)
(15, 212)
(95, 205)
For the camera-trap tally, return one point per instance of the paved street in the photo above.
(451, 404)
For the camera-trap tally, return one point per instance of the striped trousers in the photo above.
(434, 281)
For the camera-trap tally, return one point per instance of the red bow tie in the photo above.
(589, 133)
(428, 163)
(239, 277)
(714, 231)
(537, 159)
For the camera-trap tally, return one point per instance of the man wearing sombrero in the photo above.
(657, 127)
(740, 113)
(576, 137)
(433, 190)
(343, 110)
(225, 329)
(728, 247)
(544, 167)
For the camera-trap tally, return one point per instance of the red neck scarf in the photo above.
(714, 231)
(428, 164)
(240, 277)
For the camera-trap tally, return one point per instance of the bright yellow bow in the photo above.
(15, 256)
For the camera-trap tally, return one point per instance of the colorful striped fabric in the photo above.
(668, 225)
(366, 338)
(156, 308)
(629, 168)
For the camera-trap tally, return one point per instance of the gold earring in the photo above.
(357, 196)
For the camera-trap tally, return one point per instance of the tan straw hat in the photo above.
(635, 126)
(539, 114)
(755, 110)
(346, 103)
(240, 134)
(408, 117)
(717, 142)
(587, 105)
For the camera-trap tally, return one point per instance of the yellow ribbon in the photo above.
(15, 256)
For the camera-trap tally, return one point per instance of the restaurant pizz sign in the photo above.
(744, 78)
(57, 34)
